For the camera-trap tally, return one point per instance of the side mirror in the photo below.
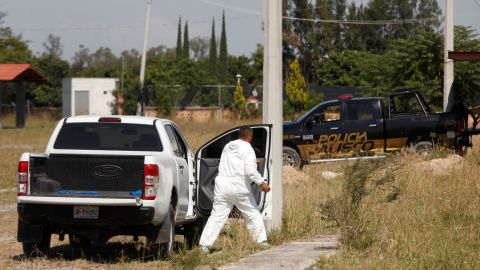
(316, 119)
(309, 123)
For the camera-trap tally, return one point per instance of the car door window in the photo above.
(182, 145)
(330, 113)
(362, 110)
(405, 104)
(215, 149)
(177, 150)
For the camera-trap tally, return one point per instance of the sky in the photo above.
(119, 24)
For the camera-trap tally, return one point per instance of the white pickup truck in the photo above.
(123, 175)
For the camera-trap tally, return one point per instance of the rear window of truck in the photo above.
(108, 136)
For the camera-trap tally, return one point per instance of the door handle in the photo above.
(334, 128)
(181, 169)
(372, 125)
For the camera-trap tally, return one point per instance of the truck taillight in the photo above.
(151, 181)
(22, 178)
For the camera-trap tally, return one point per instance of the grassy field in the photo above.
(398, 213)
(301, 220)
(405, 213)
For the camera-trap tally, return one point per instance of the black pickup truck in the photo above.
(352, 128)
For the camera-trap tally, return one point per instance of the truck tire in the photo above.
(423, 148)
(40, 249)
(194, 231)
(163, 250)
(291, 157)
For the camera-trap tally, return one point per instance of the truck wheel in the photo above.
(77, 241)
(423, 148)
(194, 231)
(161, 251)
(291, 157)
(37, 249)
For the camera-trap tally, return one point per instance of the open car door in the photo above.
(208, 158)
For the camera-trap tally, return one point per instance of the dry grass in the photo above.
(424, 216)
(411, 213)
(13, 142)
(302, 216)
(198, 133)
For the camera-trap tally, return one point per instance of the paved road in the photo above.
(296, 255)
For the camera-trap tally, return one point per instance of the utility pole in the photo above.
(265, 62)
(144, 55)
(273, 105)
(448, 74)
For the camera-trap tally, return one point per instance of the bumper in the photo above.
(62, 215)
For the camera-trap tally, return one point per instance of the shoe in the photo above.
(264, 244)
(204, 249)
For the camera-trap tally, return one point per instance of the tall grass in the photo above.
(302, 203)
(13, 142)
(419, 217)
(35, 135)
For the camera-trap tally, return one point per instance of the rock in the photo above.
(330, 174)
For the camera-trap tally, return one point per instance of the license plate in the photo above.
(85, 212)
(450, 134)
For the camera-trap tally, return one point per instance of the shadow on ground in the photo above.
(115, 252)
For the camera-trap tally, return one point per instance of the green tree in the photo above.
(339, 29)
(212, 56)
(466, 84)
(417, 63)
(305, 36)
(179, 39)
(428, 9)
(296, 88)
(223, 55)
(50, 65)
(239, 105)
(199, 47)
(54, 69)
(53, 46)
(81, 60)
(13, 49)
(354, 39)
(186, 42)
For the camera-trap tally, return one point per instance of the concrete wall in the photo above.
(101, 99)
(197, 114)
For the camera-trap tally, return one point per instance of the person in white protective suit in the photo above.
(236, 172)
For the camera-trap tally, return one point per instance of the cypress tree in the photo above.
(178, 52)
(212, 56)
(186, 42)
(222, 58)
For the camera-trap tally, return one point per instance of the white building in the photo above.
(88, 96)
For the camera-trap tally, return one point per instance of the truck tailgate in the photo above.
(87, 176)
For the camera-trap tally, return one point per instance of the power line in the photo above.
(359, 22)
(477, 2)
(239, 9)
(127, 27)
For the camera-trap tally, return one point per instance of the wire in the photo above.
(95, 28)
(239, 9)
(477, 2)
(360, 22)
(373, 22)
